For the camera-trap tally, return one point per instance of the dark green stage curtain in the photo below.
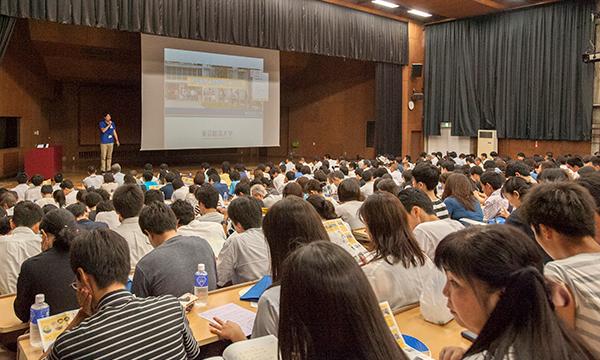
(7, 24)
(518, 72)
(291, 25)
(388, 109)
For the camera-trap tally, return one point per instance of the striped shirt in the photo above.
(440, 209)
(581, 274)
(126, 327)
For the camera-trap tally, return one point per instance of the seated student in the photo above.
(279, 179)
(70, 192)
(8, 200)
(22, 243)
(149, 180)
(459, 200)
(180, 191)
(495, 289)
(22, 186)
(34, 192)
(514, 189)
(426, 178)
(592, 183)
(109, 184)
(93, 181)
(367, 189)
(119, 177)
(56, 180)
(426, 227)
(153, 195)
(215, 181)
(554, 175)
(324, 208)
(81, 213)
(128, 201)
(208, 199)
(293, 189)
(288, 225)
(60, 198)
(105, 213)
(225, 173)
(245, 255)
(235, 178)
(153, 327)
(91, 200)
(561, 216)
(168, 189)
(520, 169)
(323, 273)
(47, 197)
(188, 226)
(49, 273)
(349, 195)
(398, 258)
(492, 182)
(170, 267)
(258, 192)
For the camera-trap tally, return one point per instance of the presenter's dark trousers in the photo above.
(106, 151)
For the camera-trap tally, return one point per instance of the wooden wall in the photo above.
(510, 147)
(412, 121)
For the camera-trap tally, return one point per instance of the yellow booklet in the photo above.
(341, 235)
(51, 327)
(390, 320)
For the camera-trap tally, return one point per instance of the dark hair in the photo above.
(104, 206)
(246, 211)
(27, 214)
(323, 273)
(215, 178)
(199, 178)
(184, 211)
(170, 176)
(8, 199)
(148, 167)
(411, 197)
(563, 206)
(91, 169)
(147, 175)
(516, 184)
(427, 174)
(575, 161)
(152, 196)
(208, 196)
(292, 188)
(22, 178)
(46, 189)
(92, 199)
(459, 186)
(448, 165)
(519, 167)
(553, 175)
(290, 175)
(157, 218)
(78, 209)
(592, 183)
(5, 224)
(475, 170)
(66, 184)
(234, 175)
(109, 177)
(523, 324)
(102, 253)
(313, 185)
(367, 175)
(60, 223)
(242, 188)
(348, 190)
(178, 184)
(387, 185)
(288, 224)
(387, 222)
(324, 207)
(59, 197)
(489, 165)
(37, 180)
(48, 207)
(493, 178)
(128, 200)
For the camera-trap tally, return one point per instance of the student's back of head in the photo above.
(461, 188)
(592, 183)
(152, 196)
(157, 218)
(426, 174)
(208, 196)
(349, 190)
(553, 175)
(492, 178)
(288, 224)
(37, 180)
(517, 168)
(324, 207)
(128, 200)
(103, 255)
(22, 178)
(411, 197)
(92, 199)
(8, 199)
(293, 189)
(27, 214)
(147, 176)
(325, 274)
(60, 224)
(246, 212)
(509, 307)
(184, 212)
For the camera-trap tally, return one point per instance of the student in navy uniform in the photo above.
(108, 137)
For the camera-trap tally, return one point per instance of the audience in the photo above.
(494, 204)
(459, 199)
(47, 198)
(93, 181)
(349, 195)
(245, 254)
(22, 185)
(109, 184)
(49, 273)
(187, 225)
(81, 213)
(34, 193)
(426, 178)
(70, 192)
(208, 199)
(169, 268)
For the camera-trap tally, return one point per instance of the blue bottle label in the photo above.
(201, 281)
(36, 314)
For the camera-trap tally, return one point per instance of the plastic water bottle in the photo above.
(201, 286)
(39, 310)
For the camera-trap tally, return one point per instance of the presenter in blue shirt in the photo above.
(108, 137)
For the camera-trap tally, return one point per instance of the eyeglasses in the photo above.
(75, 285)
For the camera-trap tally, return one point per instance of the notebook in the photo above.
(257, 290)
(262, 348)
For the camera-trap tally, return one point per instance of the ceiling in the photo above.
(440, 9)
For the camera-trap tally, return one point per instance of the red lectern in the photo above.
(45, 162)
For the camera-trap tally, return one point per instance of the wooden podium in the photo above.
(46, 162)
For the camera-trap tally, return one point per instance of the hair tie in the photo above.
(525, 270)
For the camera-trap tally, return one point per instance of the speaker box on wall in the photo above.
(416, 70)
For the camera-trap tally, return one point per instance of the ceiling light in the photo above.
(419, 13)
(388, 4)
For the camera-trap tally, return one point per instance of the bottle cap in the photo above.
(40, 298)
(201, 267)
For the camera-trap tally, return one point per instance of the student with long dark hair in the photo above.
(400, 272)
(324, 207)
(496, 289)
(459, 199)
(290, 223)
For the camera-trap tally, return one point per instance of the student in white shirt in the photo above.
(22, 186)
(22, 243)
(8, 200)
(395, 171)
(128, 201)
(561, 215)
(212, 232)
(109, 184)
(208, 199)
(426, 227)
(288, 225)
(47, 197)
(350, 202)
(400, 272)
(180, 191)
(496, 289)
(278, 179)
(34, 193)
(93, 180)
(245, 255)
(367, 189)
(117, 174)
(105, 213)
(70, 192)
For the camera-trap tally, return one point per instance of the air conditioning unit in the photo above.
(487, 141)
